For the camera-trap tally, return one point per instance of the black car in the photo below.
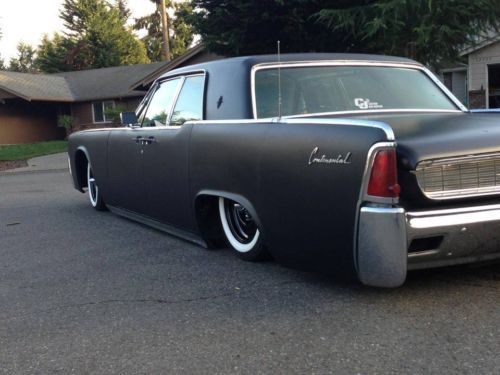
(345, 163)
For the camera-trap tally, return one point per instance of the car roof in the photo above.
(246, 62)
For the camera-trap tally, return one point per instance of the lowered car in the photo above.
(352, 164)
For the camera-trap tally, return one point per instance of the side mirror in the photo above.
(128, 119)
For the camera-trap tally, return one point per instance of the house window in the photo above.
(99, 110)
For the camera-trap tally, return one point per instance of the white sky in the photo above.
(28, 20)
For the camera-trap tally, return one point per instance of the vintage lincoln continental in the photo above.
(353, 164)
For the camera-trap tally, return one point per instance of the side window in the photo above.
(189, 105)
(160, 104)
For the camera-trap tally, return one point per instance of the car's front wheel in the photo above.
(241, 231)
(94, 195)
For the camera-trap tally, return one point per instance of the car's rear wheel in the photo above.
(241, 231)
(94, 195)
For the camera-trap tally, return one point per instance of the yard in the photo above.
(31, 150)
(14, 156)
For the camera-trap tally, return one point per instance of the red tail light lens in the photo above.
(384, 175)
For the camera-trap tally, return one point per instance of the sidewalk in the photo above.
(54, 162)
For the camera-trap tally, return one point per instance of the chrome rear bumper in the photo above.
(392, 241)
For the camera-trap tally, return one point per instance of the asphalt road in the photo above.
(89, 292)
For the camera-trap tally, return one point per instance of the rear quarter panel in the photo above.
(307, 212)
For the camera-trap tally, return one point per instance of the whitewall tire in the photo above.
(241, 231)
(93, 190)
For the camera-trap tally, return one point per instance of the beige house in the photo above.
(477, 83)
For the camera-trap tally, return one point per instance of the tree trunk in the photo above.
(165, 34)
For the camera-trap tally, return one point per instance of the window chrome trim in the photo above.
(174, 103)
(301, 64)
(182, 77)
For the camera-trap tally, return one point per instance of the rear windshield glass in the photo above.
(318, 89)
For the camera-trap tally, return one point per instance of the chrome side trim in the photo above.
(375, 111)
(340, 121)
(458, 216)
(296, 64)
(382, 255)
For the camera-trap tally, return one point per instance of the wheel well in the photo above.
(81, 168)
(208, 220)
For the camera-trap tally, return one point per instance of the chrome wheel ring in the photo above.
(93, 189)
(238, 225)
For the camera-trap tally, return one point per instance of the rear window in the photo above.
(321, 89)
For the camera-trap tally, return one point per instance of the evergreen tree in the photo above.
(180, 31)
(428, 30)
(25, 60)
(58, 54)
(97, 37)
(243, 27)
(100, 33)
(2, 61)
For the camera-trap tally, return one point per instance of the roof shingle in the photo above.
(83, 85)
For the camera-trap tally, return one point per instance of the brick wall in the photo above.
(477, 99)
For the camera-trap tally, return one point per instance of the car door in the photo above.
(166, 174)
(126, 148)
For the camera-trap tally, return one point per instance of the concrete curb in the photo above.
(16, 172)
(53, 162)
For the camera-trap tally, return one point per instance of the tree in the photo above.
(180, 33)
(97, 37)
(58, 54)
(2, 61)
(101, 31)
(242, 27)
(430, 31)
(25, 60)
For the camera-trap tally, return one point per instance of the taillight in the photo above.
(384, 175)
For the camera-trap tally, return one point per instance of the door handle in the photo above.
(144, 141)
(148, 140)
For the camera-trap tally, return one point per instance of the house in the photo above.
(477, 83)
(31, 103)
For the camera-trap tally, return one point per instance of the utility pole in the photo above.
(164, 25)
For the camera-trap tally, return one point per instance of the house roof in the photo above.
(36, 86)
(83, 85)
(106, 83)
(164, 67)
(484, 41)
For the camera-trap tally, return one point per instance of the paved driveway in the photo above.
(89, 292)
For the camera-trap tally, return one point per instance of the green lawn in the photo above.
(31, 150)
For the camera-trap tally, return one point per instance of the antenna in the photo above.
(279, 82)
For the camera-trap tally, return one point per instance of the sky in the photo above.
(28, 20)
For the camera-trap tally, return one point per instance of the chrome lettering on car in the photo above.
(323, 159)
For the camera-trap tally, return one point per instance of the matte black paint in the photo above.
(306, 213)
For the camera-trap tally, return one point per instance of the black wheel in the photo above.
(241, 231)
(95, 197)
